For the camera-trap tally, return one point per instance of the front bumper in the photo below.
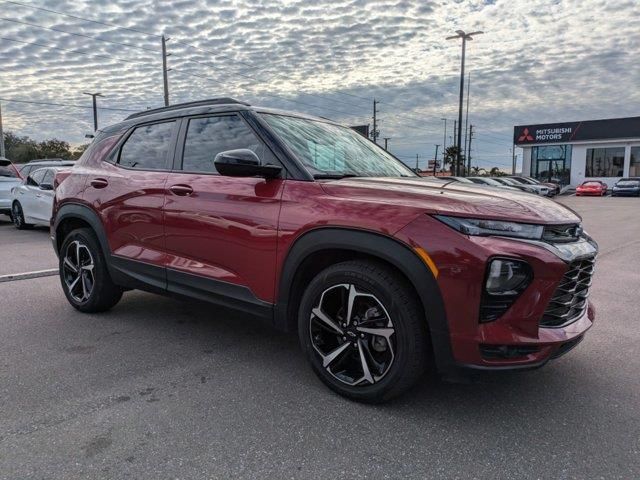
(461, 263)
(627, 192)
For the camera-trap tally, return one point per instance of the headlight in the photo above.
(481, 227)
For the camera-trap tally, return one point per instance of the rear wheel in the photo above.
(84, 275)
(363, 331)
(17, 215)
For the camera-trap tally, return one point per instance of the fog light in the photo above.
(507, 277)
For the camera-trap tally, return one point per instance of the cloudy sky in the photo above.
(538, 61)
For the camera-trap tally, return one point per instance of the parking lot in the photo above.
(162, 388)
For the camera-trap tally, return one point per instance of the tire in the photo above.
(93, 290)
(396, 356)
(17, 216)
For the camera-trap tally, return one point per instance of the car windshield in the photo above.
(333, 151)
(591, 184)
(628, 183)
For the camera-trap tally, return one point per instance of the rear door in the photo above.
(128, 193)
(221, 232)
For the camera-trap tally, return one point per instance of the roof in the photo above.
(180, 106)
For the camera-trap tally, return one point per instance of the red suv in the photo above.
(310, 226)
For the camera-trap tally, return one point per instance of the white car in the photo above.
(32, 200)
(9, 178)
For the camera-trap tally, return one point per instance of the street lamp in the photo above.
(95, 108)
(464, 36)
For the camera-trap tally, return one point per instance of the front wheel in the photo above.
(363, 331)
(83, 273)
(17, 215)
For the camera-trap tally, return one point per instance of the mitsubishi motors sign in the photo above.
(556, 133)
(577, 131)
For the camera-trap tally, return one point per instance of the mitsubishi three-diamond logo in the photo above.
(526, 136)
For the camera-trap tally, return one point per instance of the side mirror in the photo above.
(46, 186)
(244, 163)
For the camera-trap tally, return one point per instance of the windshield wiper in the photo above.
(334, 176)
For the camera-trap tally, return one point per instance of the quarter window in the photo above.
(605, 162)
(48, 177)
(147, 147)
(206, 137)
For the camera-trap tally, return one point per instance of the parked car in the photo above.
(491, 182)
(626, 187)
(524, 188)
(553, 188)
(33, 165)
(9, 178)
(32, 200)
(306, 224)
(530, 188)
(592, 188)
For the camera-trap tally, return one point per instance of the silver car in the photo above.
(9, 178)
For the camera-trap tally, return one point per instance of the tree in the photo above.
(23, 149)
(450, 155)
(478, 171)
(496, 172)
(78, 151)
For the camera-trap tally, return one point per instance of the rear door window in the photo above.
(48, 176)
(147, 148)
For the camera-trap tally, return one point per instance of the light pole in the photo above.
(444, 139)
(386, 142)
(95, 109)
(464, 36)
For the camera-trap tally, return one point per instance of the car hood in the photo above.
(454, 198)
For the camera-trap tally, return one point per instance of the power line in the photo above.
(13, 100)
(77, 34)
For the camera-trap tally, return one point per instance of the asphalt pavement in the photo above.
(161, 388)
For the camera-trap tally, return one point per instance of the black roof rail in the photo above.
(197, 103)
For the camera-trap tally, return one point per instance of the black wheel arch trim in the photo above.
(378, 245)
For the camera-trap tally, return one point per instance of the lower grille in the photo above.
(500, 352)
(569, 301)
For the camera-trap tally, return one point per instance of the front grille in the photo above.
(569, 301)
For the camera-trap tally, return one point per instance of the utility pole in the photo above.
(464, 36)
(375, 133)
(444, 140)
(95, 109)
(435, 160)
(386, 142)
(466, 121)
(164, 71)
(513, 160)
(469, 151)
(1, 134)
(417, 163)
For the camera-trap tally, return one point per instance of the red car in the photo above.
(310, 226)
(591, 187)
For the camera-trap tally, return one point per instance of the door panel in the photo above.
(129, 199)
(225, 230)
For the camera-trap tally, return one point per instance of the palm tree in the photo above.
(450, 155)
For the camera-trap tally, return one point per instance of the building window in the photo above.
(605, 162)
(551, 163)
(634, 167)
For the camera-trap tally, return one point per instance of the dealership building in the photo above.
(571, 152)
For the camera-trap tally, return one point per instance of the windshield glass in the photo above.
(628, 183)
(329, 150)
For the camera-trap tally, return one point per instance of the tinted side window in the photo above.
(206, 137)
(147, 147)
